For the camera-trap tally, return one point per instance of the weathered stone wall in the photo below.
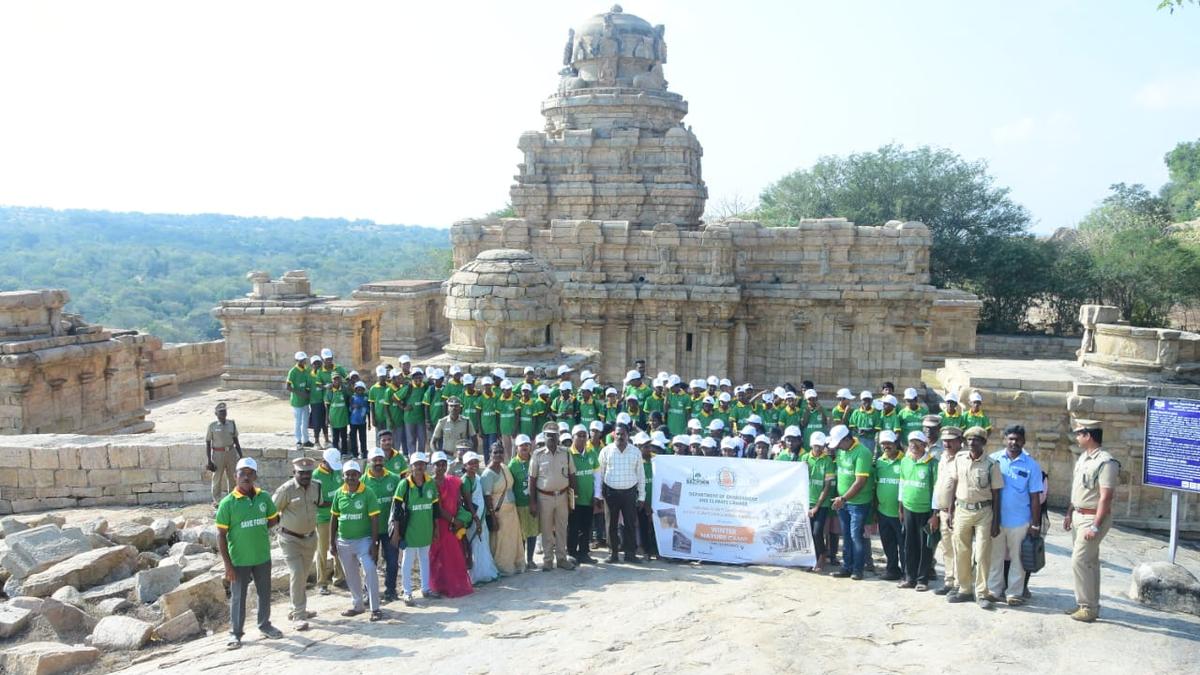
(189, 361)
(48, 471)
(826, 300)
(413, 320)
(952, 322)
(1026, 346)
(1045, 396)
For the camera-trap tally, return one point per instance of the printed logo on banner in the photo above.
(697, 478)
(726, 478)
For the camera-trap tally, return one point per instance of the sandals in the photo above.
(352, 612)
(376, 615)
(234, 643)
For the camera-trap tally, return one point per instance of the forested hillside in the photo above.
(162, 273)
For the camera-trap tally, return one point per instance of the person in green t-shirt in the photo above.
(822, 475)
(519, 467)
(244, 518)
(864, 421)
(393, 461)
(579, 529)
(975, 417)
(470, 400)
(355, 533)
(566, 407)
(678, 408)
(853, 503)
(952, 414)
(383, 483)
(814, 417)
(590, 408)
(790, 415)
(380, 399)
(911, 414)
(792, 446)
(300, 387)
(918, 476)
(887, 499)
(415, 413)
(435, 399)
(337, 411)
(415, 497)
(508, 411)
(328, 476)
(489, 420)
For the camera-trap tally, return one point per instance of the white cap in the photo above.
(696, 384)
(695, 439)
(499, 373)
(527, 370)
(376, 452)
(762, 438)
(564, 369)
(681, 439)
(632, 375)
(486, 380)
(865, 395)
(440, 456)
(837, 434)
(471, 457)
(951, 397)
(713, 381)
(352, 465)
(418, 457)
(624, 418)
(755, 420)
(505, 384)
(314, 359)
(418, 371)
(596, 425)
(709, 400)
(789, 395)
(565, 386)
(673, 380)
(333, 457)
(910, 394)
(792, 431)
(301, 356)
(588, 385)
(810, 393)
(708, 442)
(542, 389)
(724, 397)
(640, 438)
(634, 398)
(526, 387)
(768, 397)
(887, 436)
(748, 430)
(587, 375)
(976, 396)
(521, 439)
(918, 436)
(360, 385)
(662, 375)
(716, 424)
(455, 370)
(724, 382)
(890, 400)
(578, 428)
(564, 438)
(779, 392)
(540, 438)
(247, 463)
(877, 404)
(694, 424)
(327, 353)
(610, 392)
(468, 378)
(660, 439)
(728, 442)
(564, 426)
(739, 389)
(380, 371)
(817, 438)
(438, 374)
(404, 358)
(845, 393)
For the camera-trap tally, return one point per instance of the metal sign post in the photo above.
(1174, 543)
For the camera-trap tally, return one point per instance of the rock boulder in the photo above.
(180, 628)
(66, 620)
(164, 529)
(120, 633)
(152, 584)
(69, 595)
(45, 658)
(132, 534)
(31, 551)
(83, 570)
(1163, 585)
(13, 620)
(205, 595)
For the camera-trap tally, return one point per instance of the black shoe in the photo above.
(308, 444)
(633, 559)
(857, 576)
(613, 558)
(957, 597)
(390, 597)
(840, 574)
(585, 559)
(340, 584)
(891, 576)
(942, 591)
(270, 631)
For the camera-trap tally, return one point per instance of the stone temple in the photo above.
(610, 197)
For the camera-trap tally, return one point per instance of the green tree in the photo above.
(1138, 266)
(1182, 191)
(966, 212)
(505, 212)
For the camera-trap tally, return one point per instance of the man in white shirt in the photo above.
(621, 485)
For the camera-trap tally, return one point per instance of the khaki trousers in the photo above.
(324, 569)
(298, 554)
(1007, 545)
(946, 545)
(973, 545)
(1085, 561)
(552, 515)
(225, 461)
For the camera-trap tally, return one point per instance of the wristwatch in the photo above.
(1094, 529)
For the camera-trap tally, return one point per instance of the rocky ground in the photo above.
(660, 617)
(254, 411)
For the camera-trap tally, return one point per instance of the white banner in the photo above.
(732, 510)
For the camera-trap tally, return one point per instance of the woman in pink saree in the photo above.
(447, 564)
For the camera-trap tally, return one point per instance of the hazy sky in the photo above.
(409, 112)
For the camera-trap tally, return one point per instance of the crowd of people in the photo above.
(466, 475)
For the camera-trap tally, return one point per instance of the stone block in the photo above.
(45, 658)
(68, 458)
(154, 458)
(133, 534)
(16, 458)
(120, 633)
(82, 571)
(164, 529)
(1165, 586)
(150, 585)
(13, 620)
(93, 457)
(71, 478)
(179, 628)
(103, 477)
(184, 548)
(67, 620)
(69, 595)
(12, 525)
(204, 595)
(123, 457)
(25, 602)
(118, 589)
(38, 549)
(43, 458)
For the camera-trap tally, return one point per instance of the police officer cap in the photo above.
(952, 432)
(1086, 425)
(976, 432)
(304, 464)
(931, 421)
(220, 406)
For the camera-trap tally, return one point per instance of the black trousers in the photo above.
(340, 440)
(579, 531)
(358, 440)
(622, 504)
(242, 576)
(646, 531)
(890, 533)
(918, 557)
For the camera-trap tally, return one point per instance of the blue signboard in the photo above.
(1172, 458)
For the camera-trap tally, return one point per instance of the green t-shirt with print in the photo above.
(851, 464)
(864, 421)
(589, 411)
(970, 419)
(380, 399)
(383, 486)
(917, 480)
(955, 420)
(911, 420)
(678, 410)
(435, 403)
(302, 386)
(520, 472)
(420, 500)
(586, 465)
(354, 511)
(887, 485)
(245, 521)
(396, 464)
(330, 482)
(489, 421)
(339, 412)
(507, 409)
(399, 396)
(655, 404)
(790, 416)
(820, 469)
(415, 400)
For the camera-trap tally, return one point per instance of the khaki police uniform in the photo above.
(220, 439)
(1093, 470)
(974, 480)
(452, 432)
(297, 508)
(549, 471)
(943, 491)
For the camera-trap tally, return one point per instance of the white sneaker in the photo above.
(408, 600)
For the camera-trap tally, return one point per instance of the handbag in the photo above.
(1033, 552)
